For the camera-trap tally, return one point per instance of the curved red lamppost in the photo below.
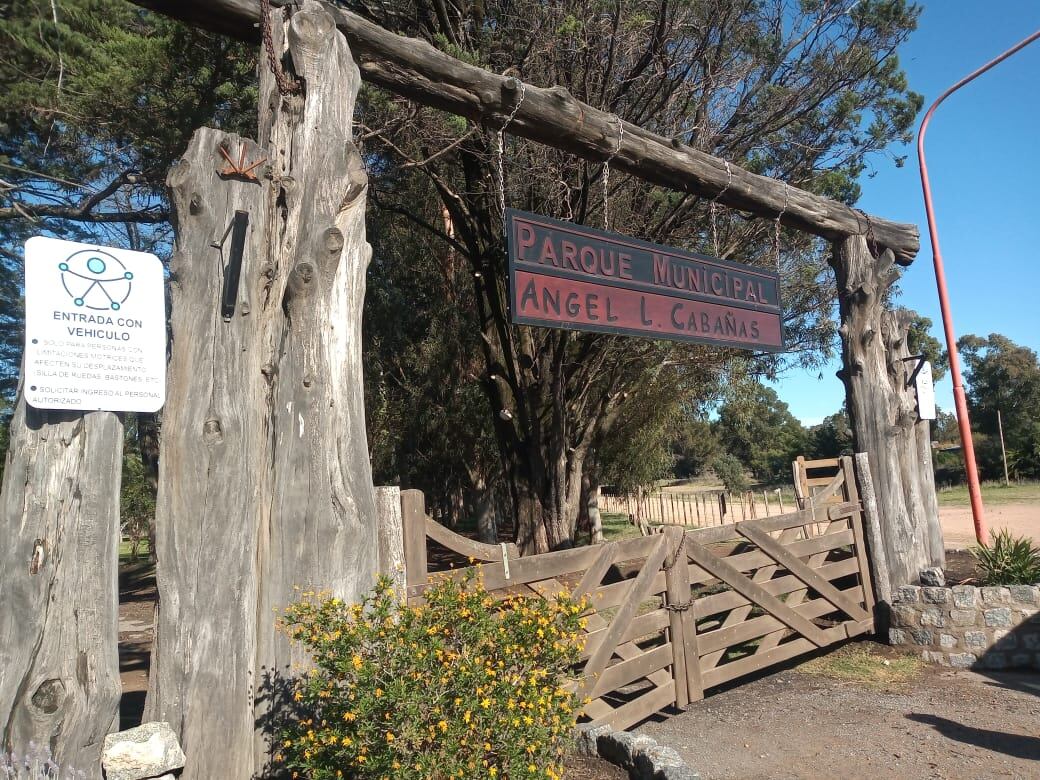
(961, 404)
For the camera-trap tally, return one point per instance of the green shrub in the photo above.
(730, 472)
(461, 686)
(1008, 560)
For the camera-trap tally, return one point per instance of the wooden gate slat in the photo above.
(794, 564)
(740, 614)
(755, 592)
(641, 588)
(634, 711)
(594, 574)
(642, 665)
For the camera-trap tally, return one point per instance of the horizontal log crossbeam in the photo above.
(417, 70)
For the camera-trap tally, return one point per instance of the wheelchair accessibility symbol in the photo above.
(96, 280)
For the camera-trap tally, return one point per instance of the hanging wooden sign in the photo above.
(563, 275)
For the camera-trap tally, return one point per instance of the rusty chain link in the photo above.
(287, 85)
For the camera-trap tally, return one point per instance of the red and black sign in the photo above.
(563, 275)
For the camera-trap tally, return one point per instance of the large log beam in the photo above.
(415, 69)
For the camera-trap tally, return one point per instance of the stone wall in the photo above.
(968, 626)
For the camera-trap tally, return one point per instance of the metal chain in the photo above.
(606, 172)
(287, 85)
(776, 232)
(871, 240)
(500, 147)
(678, 551)
(712, 206)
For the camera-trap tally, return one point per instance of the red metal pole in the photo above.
(974, 492)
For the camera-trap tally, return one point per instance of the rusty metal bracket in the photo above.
(239, 169)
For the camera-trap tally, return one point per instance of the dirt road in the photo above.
(959, 529)
(943, 724)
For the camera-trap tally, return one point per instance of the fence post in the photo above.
(875, 542)
(391, 538)
(686, 662)
(413, 520)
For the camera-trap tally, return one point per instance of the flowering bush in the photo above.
(462, 686)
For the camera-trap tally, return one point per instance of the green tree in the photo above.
(920, 341)
(758, 429)
(806, 94)
(831, 438)
(1004, 376)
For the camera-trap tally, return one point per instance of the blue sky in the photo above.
(983, 152)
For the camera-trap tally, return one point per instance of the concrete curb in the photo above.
(637, 754)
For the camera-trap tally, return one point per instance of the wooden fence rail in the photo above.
(677, 612)
(698, 510)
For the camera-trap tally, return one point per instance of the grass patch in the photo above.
(125, 548)
(617, 526)
(993, 493)
(858, 663)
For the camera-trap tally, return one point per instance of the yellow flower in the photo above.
(349, 717)
(389, 736)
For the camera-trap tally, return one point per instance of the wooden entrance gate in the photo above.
(678, 612)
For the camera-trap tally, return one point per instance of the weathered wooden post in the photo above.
(59, 510)
(883, 410)
(265, 476)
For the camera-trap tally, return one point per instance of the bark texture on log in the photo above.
(550, 115)
(59, 594)
(391, 537)
(883, 410)
(266, 480)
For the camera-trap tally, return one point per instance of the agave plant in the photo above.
(1008, 560)
(36, 763)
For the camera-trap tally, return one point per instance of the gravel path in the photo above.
(943, 724)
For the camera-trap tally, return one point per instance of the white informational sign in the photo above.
(95, 327)
(925, 392)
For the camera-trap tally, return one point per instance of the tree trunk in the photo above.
(266, 481)
(883, 410)
(59, 665)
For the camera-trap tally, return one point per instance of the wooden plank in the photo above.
(753, 663)
(806, 574)
(755, 592)
(466, 546)
(688, 624)
(718, 640)
(632, 712)
(822, 463)
(597, 709)
(611, 595)
(641, 588)
(752, 560)
(805, 517)
(413, 521)
(872, 530)
(635, 668)
(594, 574)
(739, 615)
(857, 531)
(644, 625)
(720, 602)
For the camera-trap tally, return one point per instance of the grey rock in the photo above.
(992, 595)
(933, 617)
(586, 737)
(1004, 640)
(903, 615)
(933, 576)
(934, 657)
(963, 660)
(999, 617)
(947, 641)
(993, 660)
(147, 751)
(965, 596)
(1025, 594)
(648, 763)
(616, 747)
(922, 636)
(907, 594)
(897, 636)
(677, 773)
(976, 640)
(935, 595)
(964, 617)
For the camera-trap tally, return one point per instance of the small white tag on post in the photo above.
(925, 391)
